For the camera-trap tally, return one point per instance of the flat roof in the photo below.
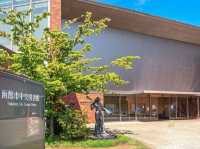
(153, 92)
(133, 21)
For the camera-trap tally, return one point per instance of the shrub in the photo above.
(73, 124)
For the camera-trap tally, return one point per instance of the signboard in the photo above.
(21, 113)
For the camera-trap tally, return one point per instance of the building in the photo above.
(165, 83)
(37, 6)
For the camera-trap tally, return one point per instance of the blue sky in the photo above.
(185, 11)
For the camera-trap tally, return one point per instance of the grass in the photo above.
(88, 143)
(137, 144)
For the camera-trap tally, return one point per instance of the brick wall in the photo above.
(55, 18)
(83, 102)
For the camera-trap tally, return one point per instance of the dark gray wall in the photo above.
(21, 113)
(166, 64)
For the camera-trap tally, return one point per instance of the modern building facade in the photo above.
(165, 83)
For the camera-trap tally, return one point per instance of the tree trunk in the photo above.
(51, 126)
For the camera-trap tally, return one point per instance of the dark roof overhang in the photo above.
(133, 21)
(152, 92)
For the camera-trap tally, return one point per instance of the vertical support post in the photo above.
(11, 43)
(120, 110)
(176, 107)
(169, 107)
(158, 108)
(136, 116)
(150, 107)
(188, 115)
(30, 7)
(198, 114)
(129, 106)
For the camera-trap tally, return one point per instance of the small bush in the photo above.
(73, 124)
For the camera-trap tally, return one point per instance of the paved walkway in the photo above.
(163, 134)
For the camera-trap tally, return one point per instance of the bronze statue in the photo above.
(99, 116)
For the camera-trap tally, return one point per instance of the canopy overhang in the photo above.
(153, 92)
(132, 21)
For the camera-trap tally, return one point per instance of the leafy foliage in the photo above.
(4, 58)
(55, 58)
(73, 123)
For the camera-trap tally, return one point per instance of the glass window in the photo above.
(124, 108)
(131, 106)
(142, 107)
(38, 0)
(154, 108)
(38, 6)
(193, 107)
(21, 2)
(5, 3)
(182, 107)
(112, 104)
(22, 8)
(173, 108)
(38, 9)
(4, 41)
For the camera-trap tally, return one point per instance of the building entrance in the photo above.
(163, 108)
(145, 107)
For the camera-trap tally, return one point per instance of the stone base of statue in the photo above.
(106, 135)
(103, 135)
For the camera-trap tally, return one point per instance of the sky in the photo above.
(184, 11)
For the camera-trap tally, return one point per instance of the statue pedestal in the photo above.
(104, 135)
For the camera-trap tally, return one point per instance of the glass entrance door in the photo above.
(164, 108)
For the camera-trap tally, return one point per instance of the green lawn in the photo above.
(88, 143)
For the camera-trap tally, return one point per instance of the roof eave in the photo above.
(133, 21)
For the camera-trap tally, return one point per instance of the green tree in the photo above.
(58, 59)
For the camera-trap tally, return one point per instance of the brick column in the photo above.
(55, 18)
